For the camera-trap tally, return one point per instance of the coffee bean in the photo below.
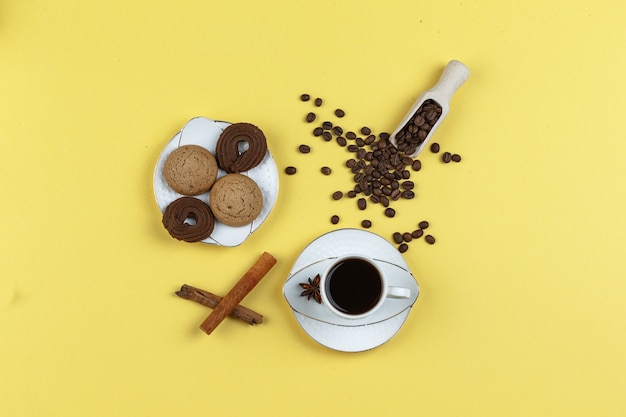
(318, 131)
(337, 195)
(366, 130)
(305, 97)
(397, 237)
(366, 224)
(417, 165)
(446, 157)
(327, 136)
(361, 204)
(407, 237)
(434, 147)
(340, 113)
(353, 148)
(456, 157)
(327, 125)
(351, 135)
(290, 170)
(326, 170)
(310, 117)
(417, 233)
(408, 185)
(337, 130)
(423, 224)
(403, 248)
(304, 148)
(429, 239)
(408, 194)
(334, 219)
(341, 141)
(351, 194)
(318, 102)
(389, 212)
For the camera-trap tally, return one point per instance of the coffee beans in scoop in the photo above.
(413, 134)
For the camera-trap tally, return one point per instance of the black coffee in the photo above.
(353, 286)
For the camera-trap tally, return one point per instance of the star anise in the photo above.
(312, 289)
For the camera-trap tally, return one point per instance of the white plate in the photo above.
(205, 132)
(350, 335)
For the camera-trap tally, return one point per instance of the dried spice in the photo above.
(312, 289)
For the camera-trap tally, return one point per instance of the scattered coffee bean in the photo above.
(456, 157)
(326, 170)
(327, 125)
(338, 130)
(366, 131)
(408, 185)
(361, 204)
(417, 233)
(423, 224)
(337, 195)
(334, 219)
(351, 194)
(318, 131)
(340, 113)
(417, 165)
(397, 237)
(403, 248)
(310, 117)
(389, 212)
(304, 148)
(407, 237)
(434, 147)
(351, 135)
(366, 224)
(318, 102)
(429, 239)
(341, 141)
(305, 97)
(408, 194)
(290, 170)
(327, 136)
(446, 157)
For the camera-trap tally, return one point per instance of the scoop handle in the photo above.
(452, 78)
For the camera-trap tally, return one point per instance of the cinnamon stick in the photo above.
(245, 284)
(211, 300)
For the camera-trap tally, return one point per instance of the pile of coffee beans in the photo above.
(415, 131)
(380, 171)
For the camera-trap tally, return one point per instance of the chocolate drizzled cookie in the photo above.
(240, 147)
(189, 219)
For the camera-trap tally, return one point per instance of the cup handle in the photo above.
(398, 292)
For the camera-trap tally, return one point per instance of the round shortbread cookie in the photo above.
(235, 200)
(190, 170)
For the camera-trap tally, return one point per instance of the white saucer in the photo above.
(205, 132)
(345, 334)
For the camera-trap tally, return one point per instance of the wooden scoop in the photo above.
(453, 76)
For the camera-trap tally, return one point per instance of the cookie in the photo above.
(240, 147)
(235, 200)
(188, 219)
(190, 170)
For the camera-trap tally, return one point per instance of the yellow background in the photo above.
(522, 310)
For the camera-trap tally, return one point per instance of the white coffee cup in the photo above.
(353, 287)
